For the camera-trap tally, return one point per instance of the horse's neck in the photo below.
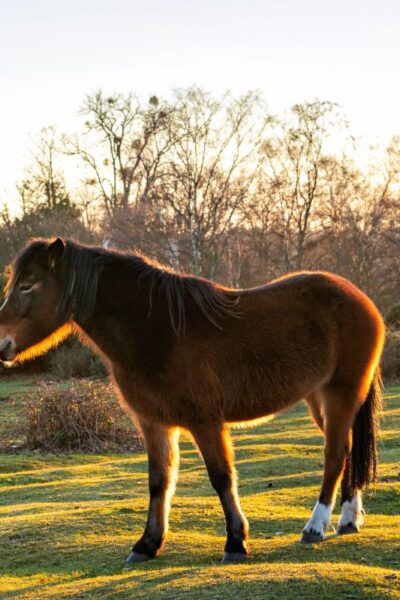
(124, 311)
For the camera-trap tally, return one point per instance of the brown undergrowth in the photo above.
(85, 418)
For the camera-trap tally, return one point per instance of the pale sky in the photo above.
(54, 52)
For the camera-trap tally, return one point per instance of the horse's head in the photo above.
(30, 319)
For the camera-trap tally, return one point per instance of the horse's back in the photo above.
(315, 294)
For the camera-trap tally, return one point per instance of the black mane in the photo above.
(81, 268)
(214, 302)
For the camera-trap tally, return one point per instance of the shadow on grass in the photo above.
(197, 580)
(102, 552)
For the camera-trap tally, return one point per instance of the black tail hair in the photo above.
(364, 453)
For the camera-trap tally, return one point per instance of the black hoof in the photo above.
(234, 557)
(136, 557)
(311, 537)
(347, 529)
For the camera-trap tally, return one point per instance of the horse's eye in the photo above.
(25, 288)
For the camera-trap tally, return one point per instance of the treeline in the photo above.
(218, 187)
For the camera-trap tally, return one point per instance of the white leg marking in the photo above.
(352, 512)
(320, 519)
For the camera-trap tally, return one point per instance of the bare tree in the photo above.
(217, 186)
(390, 178)
(354, 222)
(46, 206)
(44, 183)
(209, 171)
(120, 147)
(295, 155)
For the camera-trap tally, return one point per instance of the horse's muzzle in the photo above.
(7, 349)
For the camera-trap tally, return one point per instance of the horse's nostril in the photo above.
(7, 347)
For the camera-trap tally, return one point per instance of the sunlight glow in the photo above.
(45, 345)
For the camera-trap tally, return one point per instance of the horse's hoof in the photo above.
(234, 557)
(311, 537)
(347, 529)
(135, 557)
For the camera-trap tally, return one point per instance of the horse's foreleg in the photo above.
(339, 408)
(215, 446)
(163, 456)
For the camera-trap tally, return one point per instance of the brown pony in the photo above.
(186, 353)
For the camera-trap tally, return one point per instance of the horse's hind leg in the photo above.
(315, 407)
(215, 446)
(340, 406)
(351, 517)
(163, 456)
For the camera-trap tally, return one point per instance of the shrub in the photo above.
(86, 417)
(73, 359)
(391, 357)
(392, 318)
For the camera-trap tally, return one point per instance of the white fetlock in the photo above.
(319, 520)
(352, 513)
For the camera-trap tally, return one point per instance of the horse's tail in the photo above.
(364, 453)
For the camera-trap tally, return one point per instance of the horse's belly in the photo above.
(245, 412)
(258, 397)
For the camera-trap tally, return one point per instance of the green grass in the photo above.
(67, 522)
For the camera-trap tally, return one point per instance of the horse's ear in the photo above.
(55, 252)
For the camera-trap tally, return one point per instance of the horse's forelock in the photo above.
(23, 259)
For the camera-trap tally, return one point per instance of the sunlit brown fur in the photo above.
(45, 345)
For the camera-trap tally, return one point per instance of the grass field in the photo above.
(67, 522)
